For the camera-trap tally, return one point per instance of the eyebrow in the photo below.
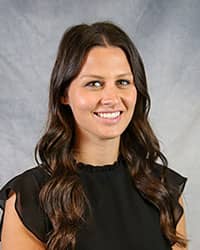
(101, 77)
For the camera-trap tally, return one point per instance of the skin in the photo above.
(105, 84)
(181, 228)
(23, 239)
(96, 135)
(14, 234)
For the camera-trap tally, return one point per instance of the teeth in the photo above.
(109, 115)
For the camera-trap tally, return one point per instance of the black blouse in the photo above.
(123, 217)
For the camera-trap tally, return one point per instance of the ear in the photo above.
(64, 100)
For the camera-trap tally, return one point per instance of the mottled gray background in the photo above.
(167, 35)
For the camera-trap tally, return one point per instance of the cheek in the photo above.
(132, 98)
(81, 102)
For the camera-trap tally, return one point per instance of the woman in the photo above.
(98, 184)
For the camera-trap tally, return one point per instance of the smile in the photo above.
(110, 115)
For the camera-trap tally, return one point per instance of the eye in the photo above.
(123, 82)
(95, 84)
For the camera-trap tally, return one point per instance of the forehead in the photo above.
(105, 60)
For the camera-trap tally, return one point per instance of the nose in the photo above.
(110, 96)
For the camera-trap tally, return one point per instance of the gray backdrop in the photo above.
(167, 35)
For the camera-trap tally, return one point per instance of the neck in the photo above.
(98, 152)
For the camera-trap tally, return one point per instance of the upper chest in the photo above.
(121, 217)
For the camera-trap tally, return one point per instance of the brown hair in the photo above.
(63, 196)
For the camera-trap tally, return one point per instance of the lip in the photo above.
(108, 111)
(108, 120)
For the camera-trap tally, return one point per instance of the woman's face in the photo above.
(103, 96)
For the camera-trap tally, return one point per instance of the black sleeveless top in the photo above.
(123, 217)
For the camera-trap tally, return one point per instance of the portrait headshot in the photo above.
(99, 125)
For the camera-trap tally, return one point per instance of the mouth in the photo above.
(108, 115)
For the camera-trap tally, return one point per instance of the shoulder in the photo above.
(174, 183)
(172, 178)
(32, 178)
(37, 173)
(27, 186)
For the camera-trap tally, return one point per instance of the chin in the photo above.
(110, 136)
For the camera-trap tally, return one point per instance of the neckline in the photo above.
(104, 168)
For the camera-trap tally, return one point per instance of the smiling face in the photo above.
(103, 95)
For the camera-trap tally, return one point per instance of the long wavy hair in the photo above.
(63, 197)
